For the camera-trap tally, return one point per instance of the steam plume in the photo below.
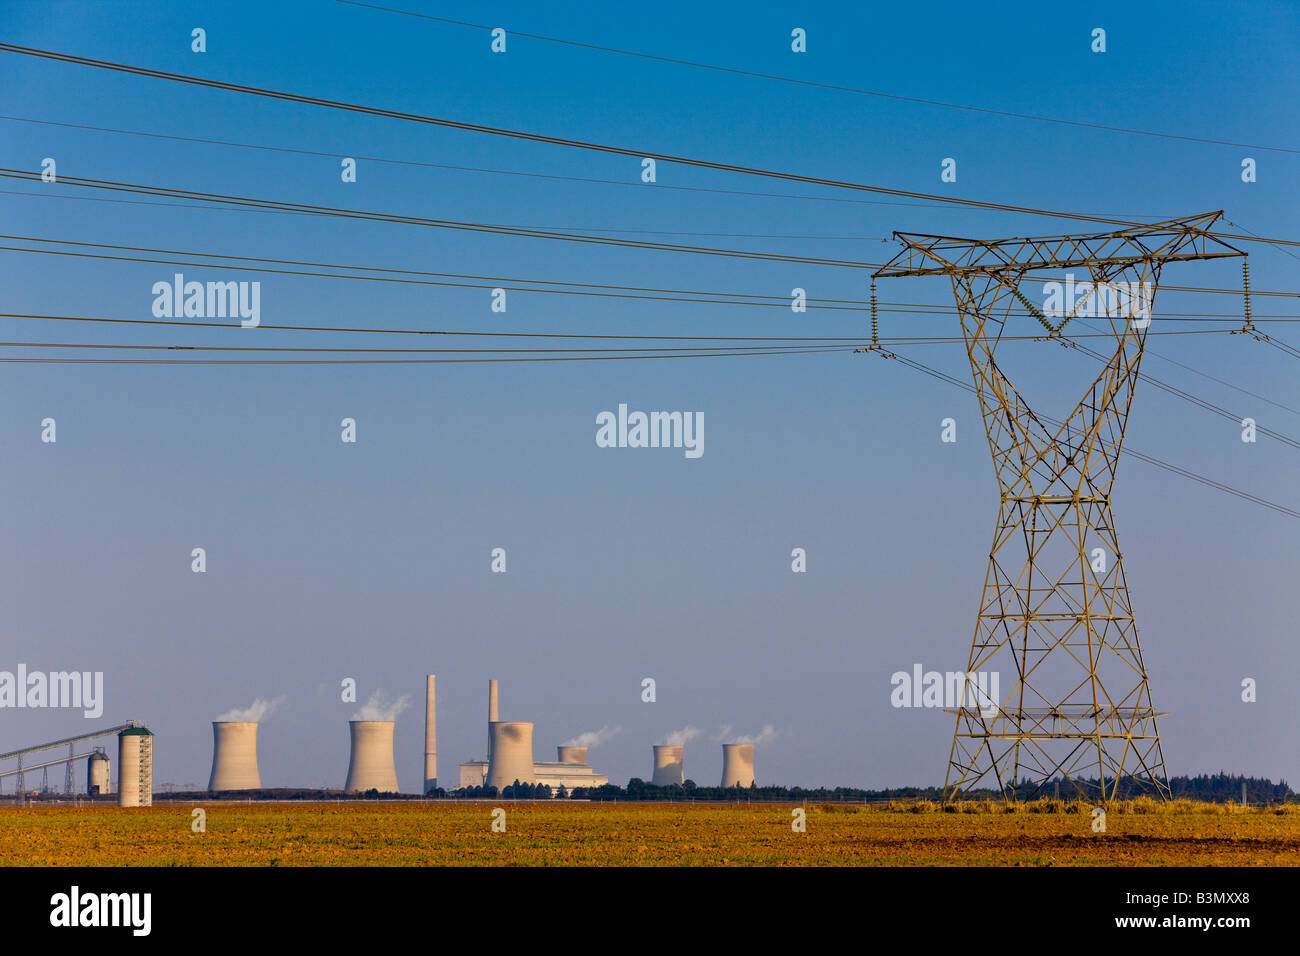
(593, 738)
(254, 712)
(683, 736)
(378, 707)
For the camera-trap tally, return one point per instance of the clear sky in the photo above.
(371, 560)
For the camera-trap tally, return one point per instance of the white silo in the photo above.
(571, 754)
(135, 767)
(737, 765)
(234, 756)
(668, 768)
(512, 753)
(430, 737)
(371, 765)
(98, 773)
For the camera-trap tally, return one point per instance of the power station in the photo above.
(510, 758)
(371, 760)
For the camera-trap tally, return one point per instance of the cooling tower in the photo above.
(430, 738)
(371, 765)
(668, 765)
(512, 753)
(97, 773)
(135, 768)
(737, 765)
(234, 756)
(569, 754)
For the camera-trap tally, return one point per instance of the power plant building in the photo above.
(234, 756)
(510, 758)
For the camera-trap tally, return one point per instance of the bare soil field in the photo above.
(1048, 833)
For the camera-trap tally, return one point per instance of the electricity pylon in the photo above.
(1055, 609)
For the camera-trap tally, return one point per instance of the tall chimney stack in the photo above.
(430, 737)
(492, 713)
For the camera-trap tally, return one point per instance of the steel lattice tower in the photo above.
(1051, 615)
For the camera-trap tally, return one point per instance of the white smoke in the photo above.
(593, 738)
(723, 733)
(254, 712)
(378, 707)
(767, 735)
(683, 736)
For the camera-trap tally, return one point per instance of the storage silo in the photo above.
(135, 767)
(371, 765)
(512, 753)
(668, 768)
(99, 774)
(234, 756)
(571, 754)
(737, 765)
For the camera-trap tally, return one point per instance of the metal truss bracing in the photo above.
(1055, 613)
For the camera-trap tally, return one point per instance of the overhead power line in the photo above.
(855, 340)
(453, 224)
(514, 284)
(576, 144)
(1125, 450)
(90, 360)
(677, 61)
(588, 180)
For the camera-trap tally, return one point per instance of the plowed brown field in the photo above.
(541, 834)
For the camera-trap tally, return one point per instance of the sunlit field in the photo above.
(1046, 833)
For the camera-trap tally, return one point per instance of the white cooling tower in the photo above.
(135, 768)
(371, 765)
(668, 765)
(234, 756)
(512, 753)
(571, 754)
(98, 774)
(430, 738)
(737, 765)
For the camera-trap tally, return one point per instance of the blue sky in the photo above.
(328, 560)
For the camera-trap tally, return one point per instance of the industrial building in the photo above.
(98, 765)
(510, 758)
(234, 756)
